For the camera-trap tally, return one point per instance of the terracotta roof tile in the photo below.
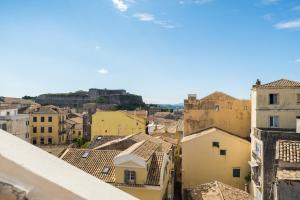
(146, 150)
(155, 169)
(288, 151)
(94, 163)
(216, 191)
(282, 83)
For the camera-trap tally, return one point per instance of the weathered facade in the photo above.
(214, 155)
(263, 159)
(47, 125)
(14, 123)
(78, 99)
(275, 107)
(118, 123)
(217, 110)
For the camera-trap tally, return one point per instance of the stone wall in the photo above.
(269, 139)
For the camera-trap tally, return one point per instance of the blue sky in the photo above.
(160, 49)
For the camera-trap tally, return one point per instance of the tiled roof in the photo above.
(218, 96)
(217, 191)
(288, 151)
(282, 83)
(169, 140)
(97, 160)
(56, 150)
(288, 175)
(102, 139)
(146, 149)
(94, 163)
(49, 110)
(166, 147)
(155, 169)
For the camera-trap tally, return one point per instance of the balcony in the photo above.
(256, 157)
(256, 179)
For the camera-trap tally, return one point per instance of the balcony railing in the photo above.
(256, 157)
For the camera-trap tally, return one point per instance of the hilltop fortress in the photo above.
(79, 98)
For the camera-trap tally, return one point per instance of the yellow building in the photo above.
(275, 104)
(74, 127)
(217, 110)
(215, 155)
(120, 123)
(47, 125)
(142, 170)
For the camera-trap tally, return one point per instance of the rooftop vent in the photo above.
(85, 154)
(99, 138)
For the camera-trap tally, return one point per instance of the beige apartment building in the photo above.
(275, 104)
(217, 110)
(215, 155)
(47, 125)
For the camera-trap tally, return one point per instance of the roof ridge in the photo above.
(219, 189)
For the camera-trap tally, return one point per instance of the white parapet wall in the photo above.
(298, 125)
(44, 176)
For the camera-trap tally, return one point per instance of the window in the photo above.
(34, 129)
(27, 135)
(27, 123)
(223, 152)
(79, 133)
(4, 127)
(274, 122)
(217, 108)
(129, 177)
(42, 141)
(34, 119)
(236, 172)
(7, 113)
(42, 119)
(42, 129)
(49, 140)
(298, 98)
(216, 144)
(49, 119)
(33, 140)
(273, 99)
(74, 132)
(49, 129)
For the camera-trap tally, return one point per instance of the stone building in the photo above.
(13, 122)
(80, 98)
(47, 125)
(217, 110)
(275, 107)
(287, 183)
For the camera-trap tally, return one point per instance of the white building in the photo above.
(14, 123)
(35, 174)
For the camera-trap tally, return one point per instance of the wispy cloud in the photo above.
(98, 47)
(120, 5)
(292, 24)
(268, 2)
(103, 71)
(146, 17)
(298, 61)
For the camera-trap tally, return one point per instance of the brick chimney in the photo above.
(298, 124)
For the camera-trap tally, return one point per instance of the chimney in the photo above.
(192, 97)
(298, 124)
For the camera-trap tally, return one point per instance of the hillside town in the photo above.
(109, 144)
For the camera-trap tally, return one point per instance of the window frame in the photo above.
(42, 119)
(222, 152)
(274, 102)
(49, 118)
(272, 121)
(298, 98)
(129, 176)
(216, 144)
(235, 171)
(50, 129)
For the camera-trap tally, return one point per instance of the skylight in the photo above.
(85, 155)
(105, 170)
